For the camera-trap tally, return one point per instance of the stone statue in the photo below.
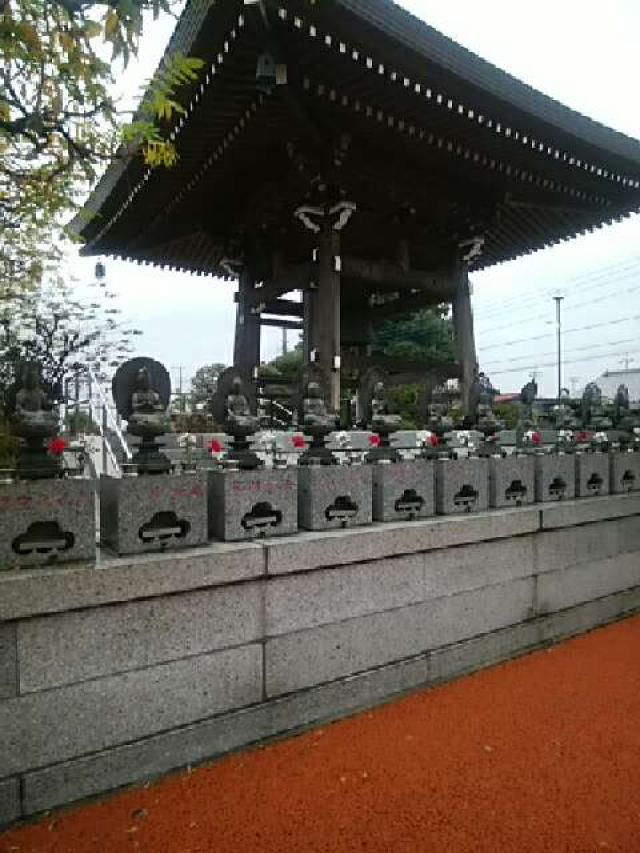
(591, 408)
(319, 423)
(528, 396)
(621, 404)
(35, 420)
(148, 412)
(240, 423)
(148, 420)
(383, 422)
(239, 417)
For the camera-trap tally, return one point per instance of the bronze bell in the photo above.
(266, 73)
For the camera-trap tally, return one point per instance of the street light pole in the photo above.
(558, 301)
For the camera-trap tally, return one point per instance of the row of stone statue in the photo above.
(142, 392)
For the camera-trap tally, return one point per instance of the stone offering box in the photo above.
(511, 480)
(555, 476)
(139, 514)
(251, 504)
(462, 485)
(625, 472)
(334, 496)
(46, 521)
(403, 491)
(592, 475)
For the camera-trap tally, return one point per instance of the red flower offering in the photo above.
(57, 446)
(536, 438)
(298, 442)
(374, 440)
(215, 446)
(434, 441)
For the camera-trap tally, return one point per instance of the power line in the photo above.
(567, 361)
(516, 303)
(587, 348)
(540, 337)
(596, 277)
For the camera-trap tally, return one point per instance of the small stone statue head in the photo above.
(378, 390)
(236, 386)
(143, 380)
(314, 391)
(30, 376)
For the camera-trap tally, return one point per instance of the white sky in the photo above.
(582, 52)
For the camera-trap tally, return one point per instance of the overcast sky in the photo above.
(582, 52)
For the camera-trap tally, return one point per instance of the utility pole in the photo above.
(627, 361)
(284, 341)
(180, 368)
(558, 300)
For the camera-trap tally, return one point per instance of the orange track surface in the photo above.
(541, 754)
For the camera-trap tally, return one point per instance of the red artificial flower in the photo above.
(583, 437)
(434, 440)
(374, 440)
(215, 446)
(57, 446)
(536, 438)
(298, 441)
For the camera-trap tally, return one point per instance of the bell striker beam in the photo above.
(246, 352)
(463, 331)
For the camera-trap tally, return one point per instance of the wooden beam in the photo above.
(246, 352)
(281, 324)
(291, 278)
(284, 308)
(392, 276)
(405, 371)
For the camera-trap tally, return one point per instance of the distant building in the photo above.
(612, 379)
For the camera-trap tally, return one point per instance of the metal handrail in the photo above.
(107, 415)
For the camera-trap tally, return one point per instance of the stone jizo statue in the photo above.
(239, 417)
(319, 423)
(149, 415)
(382, 419)
(35, 420)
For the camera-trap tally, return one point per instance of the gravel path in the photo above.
(540, 754)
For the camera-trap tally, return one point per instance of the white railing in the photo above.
(105, 418)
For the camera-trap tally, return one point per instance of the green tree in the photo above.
(59, 122)
(204, 384)
(424, 336)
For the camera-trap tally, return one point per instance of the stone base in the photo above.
(334, 496)
(592, 475)
(153, 513)
(251, 504)
(511, 481)
(46, 521)
(555, 477)
(462, 485)
(625, 472)
(403, 491)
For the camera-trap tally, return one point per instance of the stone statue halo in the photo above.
(124, 382)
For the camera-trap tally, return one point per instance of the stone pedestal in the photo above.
(334, 496)
(462, 485)
(403, 491)
(250, 504)
(592, 475)
(46, 521)
(511, 481)
(555, 477)
(625, 472)
(153, 513)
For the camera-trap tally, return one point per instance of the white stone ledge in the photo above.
(116, 579)
(589, 510)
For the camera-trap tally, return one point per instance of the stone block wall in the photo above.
(136, 666)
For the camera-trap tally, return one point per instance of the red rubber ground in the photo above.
(541, 754)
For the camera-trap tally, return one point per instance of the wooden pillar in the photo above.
(246, 351)
(463, 329)
(322, 315)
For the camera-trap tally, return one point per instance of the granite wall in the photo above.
(119, 671)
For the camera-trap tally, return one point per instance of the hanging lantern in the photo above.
(266, 73)
(100, 271)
